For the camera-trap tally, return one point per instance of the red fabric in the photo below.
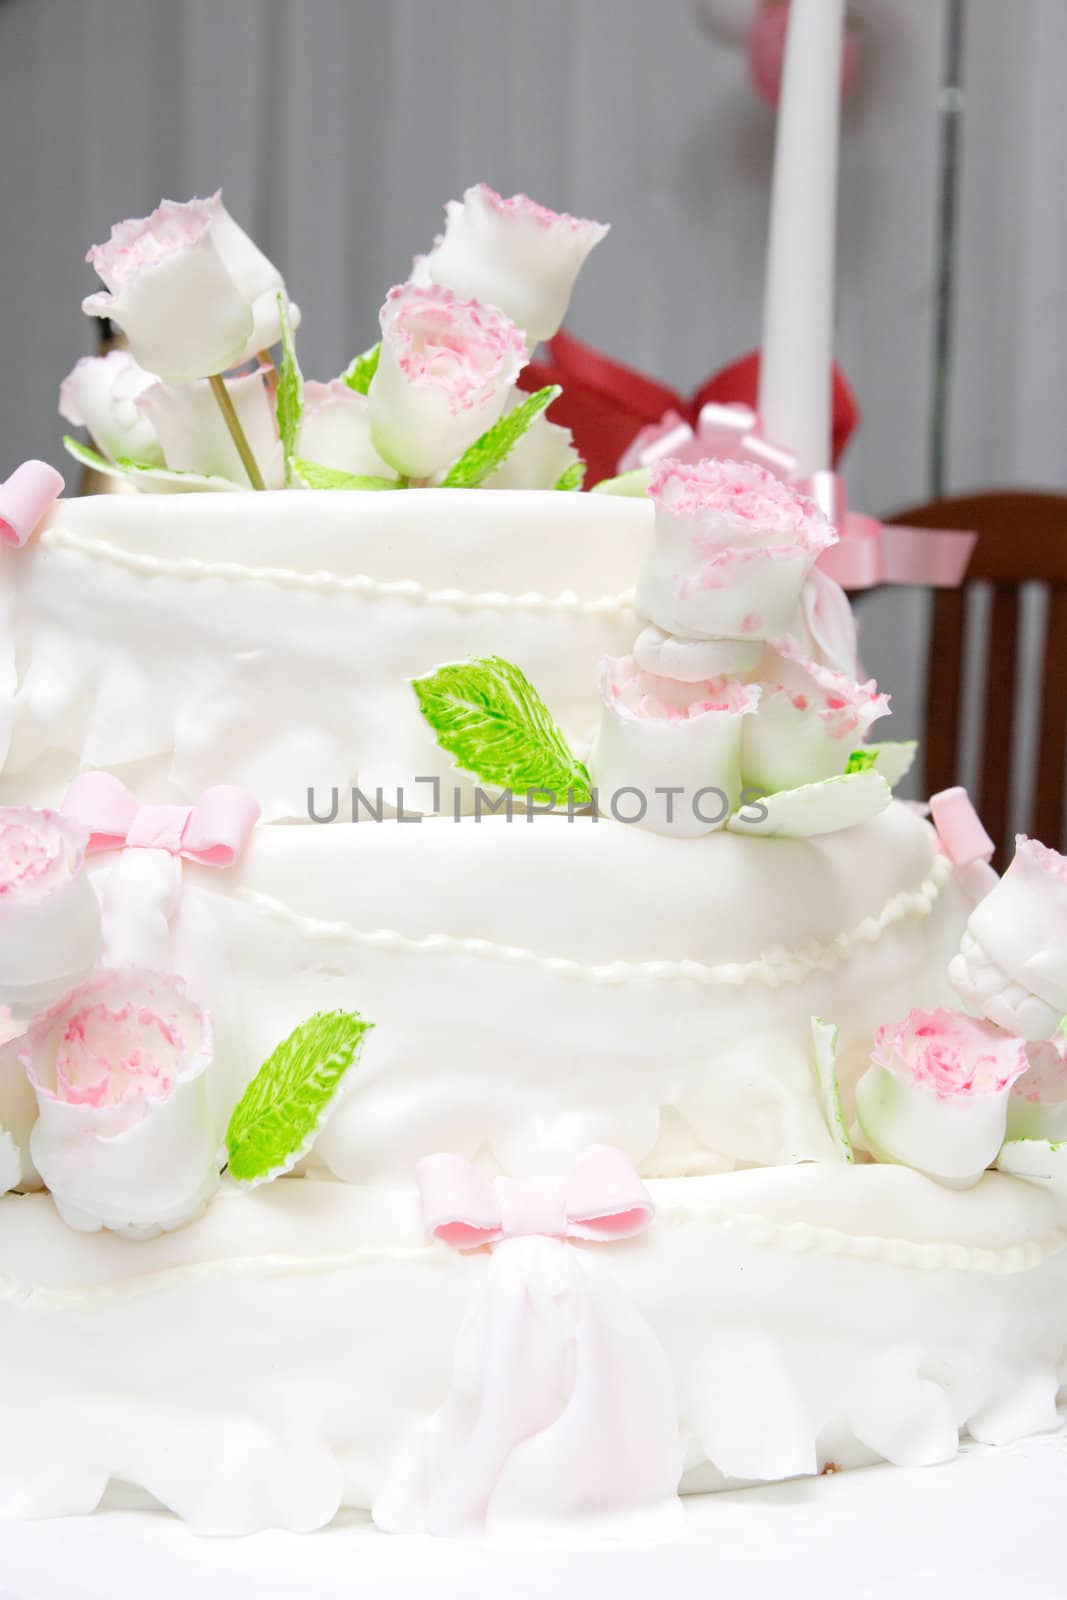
(606, 404)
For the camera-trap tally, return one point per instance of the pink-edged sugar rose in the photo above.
(1012, 962)
(936, 1094)
(731, 548)
(950, 1054)
(49, 915)
(514, 254)
(445, 374)
(677, 746)
(810, 720)
(125, 1134)
(192, 293)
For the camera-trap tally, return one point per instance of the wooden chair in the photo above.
(1022, 540)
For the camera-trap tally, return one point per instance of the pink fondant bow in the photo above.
(600, 1199)
(213, 833)
(26, 499)
(868, 552)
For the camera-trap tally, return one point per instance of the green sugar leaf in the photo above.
(143, 473)
(314, 476)
(861, 761)
(488, 454)
(290, 399)
(493, 723)
(633, 483)
(573, 477)
(824, 1054)
(361, 370)
(277, 1118)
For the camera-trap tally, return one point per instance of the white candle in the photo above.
(798, 308)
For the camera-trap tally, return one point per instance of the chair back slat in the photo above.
(944, 691)
(1047, 821)
(1022, 540)
(998, 718)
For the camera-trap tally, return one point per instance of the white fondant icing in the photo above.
(189, 640)
(538, 987)
(318, 1330)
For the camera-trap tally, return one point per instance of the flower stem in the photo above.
(270, 371)
(237, 433)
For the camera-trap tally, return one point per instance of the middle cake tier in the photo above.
(540, 986)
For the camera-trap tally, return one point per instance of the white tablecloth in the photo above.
(989, 1524)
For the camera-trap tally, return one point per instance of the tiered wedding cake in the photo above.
(569, 1031)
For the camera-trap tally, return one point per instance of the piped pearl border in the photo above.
(405, 590)
(773, 969)
(752, 1229)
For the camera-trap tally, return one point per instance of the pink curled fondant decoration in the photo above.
(212, 833)
(959, 827)
(26, 498)
(600, 1199)
(561, 1408)
(964, 841)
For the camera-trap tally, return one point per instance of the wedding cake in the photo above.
(482, 1043)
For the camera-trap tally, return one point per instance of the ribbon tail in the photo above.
(561, 1411)
(140, 895)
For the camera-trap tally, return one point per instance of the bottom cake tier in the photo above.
(767, 1324)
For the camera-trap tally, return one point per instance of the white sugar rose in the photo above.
(668, 755)
(335, 431)
(445, 374)
(101, 393)
(1012, 963)
(731, 549)
(936, 1094)
(514, 254)
(192, 293)
(194, 437)
(125, 1136)
(49, 915)
(809, 721)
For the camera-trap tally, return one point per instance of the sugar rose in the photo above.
(445, 373)
(810, 720)
(49, 915)
(936, 1094)
(668, 755)
(731, 549)
(1012, 963)
(192, 293)
(125, 1135)
(514, 254)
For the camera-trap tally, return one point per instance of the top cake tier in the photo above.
(192, 639)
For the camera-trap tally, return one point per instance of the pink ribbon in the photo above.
(600, 1199)
(26, 499)
(868, 552)
(213, 833)
(561, 1402)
